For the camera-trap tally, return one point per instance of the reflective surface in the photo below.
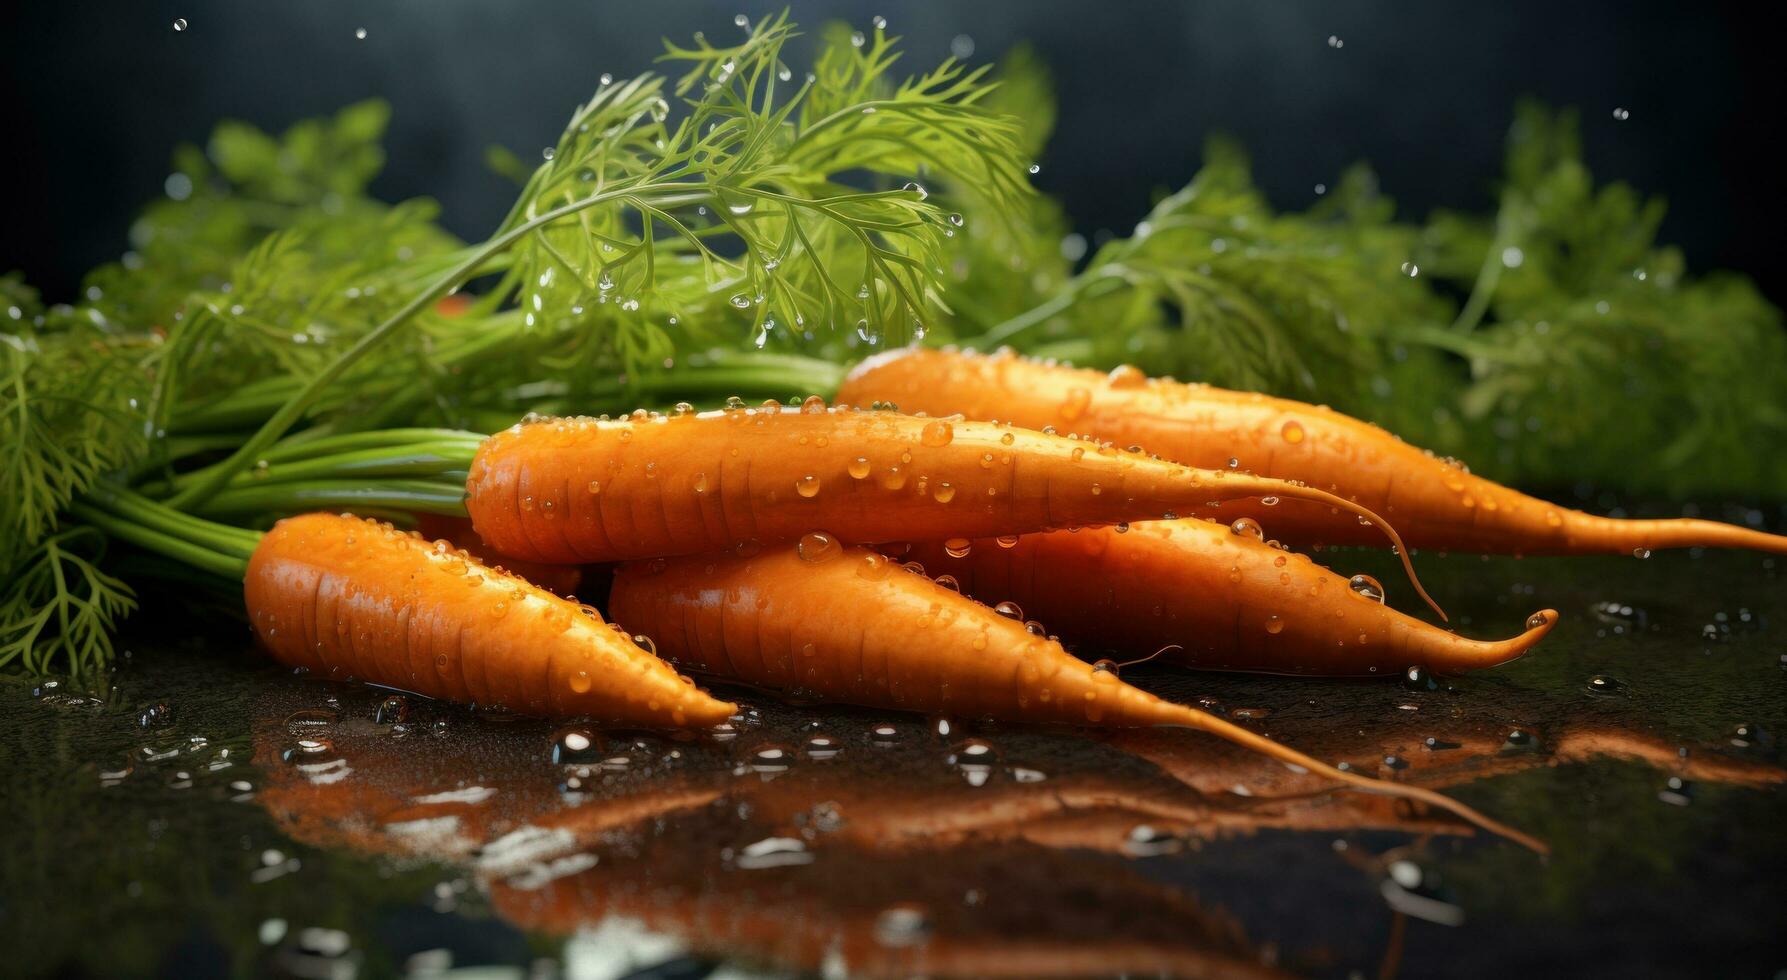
(211, 814)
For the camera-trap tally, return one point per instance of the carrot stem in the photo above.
(162, 543)
(444, 496)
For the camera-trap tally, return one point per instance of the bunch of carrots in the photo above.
(876, 556)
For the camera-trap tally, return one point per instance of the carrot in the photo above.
(584, 490)
(1214, 596)
(560, 580)
(847, 624)
(342, 596)
(1435, 503)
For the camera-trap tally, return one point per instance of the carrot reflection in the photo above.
(811, 849)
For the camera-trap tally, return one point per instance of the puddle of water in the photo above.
(211, 814)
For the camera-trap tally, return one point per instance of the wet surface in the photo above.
(212, 814)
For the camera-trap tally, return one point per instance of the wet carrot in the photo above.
(1216, 596)
(849, 625)
(585, 490)
(561, 580)
(347, 597)
(1435, 503)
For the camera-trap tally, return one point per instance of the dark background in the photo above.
(96, 95)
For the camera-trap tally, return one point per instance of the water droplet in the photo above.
(773, 852)
(1110, 667)
(1146, 841)
(1010, 610)
(1292, 432)
(858, 468)
(1417, 678)
(957, 547)
(943, 493)
(901, 926)
(1366, 586)
(1640, 552)
(974, 759)
(1410, 269)
(884, 733)
(360, 33)
(1248, 527)
(1335, 42)
(1621, 114)
(580, 682)
(577, 746)
(740, 301)
(772, 758)
(938, 432)
(1537, 620)
(1676, 791)
(817, 546)
(392, 710)
(807, 486)
(179, 23)
(1602, 684)
(1274, 624)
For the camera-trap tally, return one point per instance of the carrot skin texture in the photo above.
(850, 625)
(1432, 502)
(347, 597)
(579, 490)
(560, 580)
(1227, 601)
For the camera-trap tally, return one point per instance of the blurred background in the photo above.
(95, 98)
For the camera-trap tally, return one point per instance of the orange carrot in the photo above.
(1435, 503)
(585, 490)
(1216, 597)
(849, 625)
(343, 596)
(560, 580)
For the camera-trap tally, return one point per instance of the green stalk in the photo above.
(415, 459)
(1090, 284)
(294, 408)
(162, 542)
(1489, 275)
(231, 541)
(425, 496)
